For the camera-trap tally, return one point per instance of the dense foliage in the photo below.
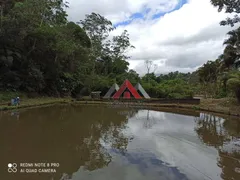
(221, 78)
(41, 52)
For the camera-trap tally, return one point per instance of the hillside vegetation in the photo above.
(42, 53)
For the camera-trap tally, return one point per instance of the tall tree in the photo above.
(120, 44)
(107, 56)
(98, 28)
(150, 67)
(208, 75)
(229, 6)
(209, 71)
(231, 54)
(40, 50)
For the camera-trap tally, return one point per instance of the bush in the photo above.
(233, 83)
(221, 94)
(174, 89)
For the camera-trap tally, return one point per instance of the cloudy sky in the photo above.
(178, 35)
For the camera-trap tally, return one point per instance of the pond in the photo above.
(67, 142)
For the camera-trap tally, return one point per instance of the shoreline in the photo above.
(192, 107)
(204, 106)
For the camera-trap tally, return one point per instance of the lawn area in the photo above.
(24, 103)
(5, 97)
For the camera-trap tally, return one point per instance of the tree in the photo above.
(131, 75)
(231, 53)
(40, 50)
(209, 71)
(148, 77)
(120, 44)
(108, 57)
(120, 66)
(150, 66)
(229, 6)
(208, 75)
(234, 83)
(97, 28)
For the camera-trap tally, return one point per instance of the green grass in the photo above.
(6, 96)
(24, 103)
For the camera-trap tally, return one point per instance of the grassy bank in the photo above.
(25, 103)
(5, 97)
(227, 106)
(221, 106)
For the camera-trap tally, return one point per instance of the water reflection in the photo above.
(64, 134)
(92, 142)
(224, 135)
(210, 130)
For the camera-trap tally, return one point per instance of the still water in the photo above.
(112, 143)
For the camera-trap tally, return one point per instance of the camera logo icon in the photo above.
(12, 167)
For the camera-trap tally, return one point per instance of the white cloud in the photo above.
(116, 10)
(181, 40)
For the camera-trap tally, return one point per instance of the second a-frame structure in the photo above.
(141, 90)
(111, 91)
(127, 90)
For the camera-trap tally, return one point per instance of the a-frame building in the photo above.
(126, 91)
(111, 91)
(141, 90)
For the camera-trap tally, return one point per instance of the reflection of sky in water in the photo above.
(233, 146)
(149, 163)
(131, 166)
(165, 146)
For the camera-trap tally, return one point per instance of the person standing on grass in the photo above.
(18, 101)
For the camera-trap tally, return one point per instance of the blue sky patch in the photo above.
(136, 16)
(141, 15)
(179, 5)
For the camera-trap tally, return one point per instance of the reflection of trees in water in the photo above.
(145, 116)
(149, 120)
(67, 135)
(222, 136)
(128, 112)
(132, 112)
(210, 130)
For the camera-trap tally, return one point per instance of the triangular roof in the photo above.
(112, 89)
(129, 86)
(139, 87)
